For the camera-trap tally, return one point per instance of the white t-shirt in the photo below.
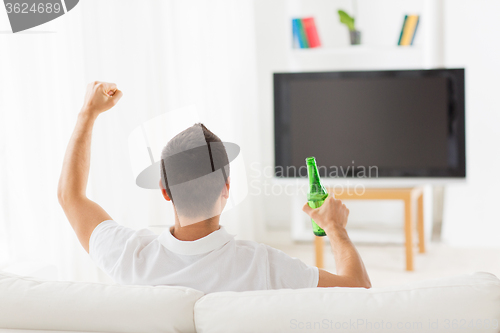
(213, 263)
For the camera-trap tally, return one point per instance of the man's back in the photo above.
(213, 263)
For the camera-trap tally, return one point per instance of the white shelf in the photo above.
(356, 57)
(357, 49)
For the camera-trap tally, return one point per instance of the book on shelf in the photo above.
(409, 30)
(311, 32)
(305, 33)
(295, 31)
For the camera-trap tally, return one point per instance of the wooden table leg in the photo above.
(409, 233)
(420, 224)
(319, 246)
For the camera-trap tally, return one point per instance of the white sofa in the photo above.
(466, 303)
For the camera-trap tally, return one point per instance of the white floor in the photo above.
(386, 263)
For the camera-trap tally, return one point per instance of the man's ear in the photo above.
(225, 190)
(164, 192)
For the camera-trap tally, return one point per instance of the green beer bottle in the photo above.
(317, 192)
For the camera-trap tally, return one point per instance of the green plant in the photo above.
(347, 20)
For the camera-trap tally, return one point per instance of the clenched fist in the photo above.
(331, 216)
(100, 97)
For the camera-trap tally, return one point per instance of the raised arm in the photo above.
(332, 217)
(83, 214)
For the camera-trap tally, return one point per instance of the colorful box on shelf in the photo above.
(305, 33)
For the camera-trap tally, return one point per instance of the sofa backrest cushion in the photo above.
(28, 303)
(466, 303)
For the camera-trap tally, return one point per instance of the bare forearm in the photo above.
(332, 217)
(76, 165)
(84, 214)
(347, 259)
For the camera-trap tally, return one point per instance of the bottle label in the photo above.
(316, 197)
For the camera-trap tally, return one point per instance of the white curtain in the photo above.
(163, 55)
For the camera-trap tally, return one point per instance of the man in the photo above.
(196, 252)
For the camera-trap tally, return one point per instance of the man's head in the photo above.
(195, 173)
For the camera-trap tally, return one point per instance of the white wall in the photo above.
(471, 216)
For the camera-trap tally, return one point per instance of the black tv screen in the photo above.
(406, 123)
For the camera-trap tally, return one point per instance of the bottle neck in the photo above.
(314, 180)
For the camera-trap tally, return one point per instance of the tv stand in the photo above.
(413, 201)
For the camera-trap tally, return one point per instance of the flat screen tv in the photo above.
(398, 123)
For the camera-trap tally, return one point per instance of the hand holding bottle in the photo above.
(331, 216)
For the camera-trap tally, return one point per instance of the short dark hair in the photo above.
(184, 159)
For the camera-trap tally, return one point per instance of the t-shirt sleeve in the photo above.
(112, 246)
(288, 272)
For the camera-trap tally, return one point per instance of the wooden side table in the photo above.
(412, 198)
